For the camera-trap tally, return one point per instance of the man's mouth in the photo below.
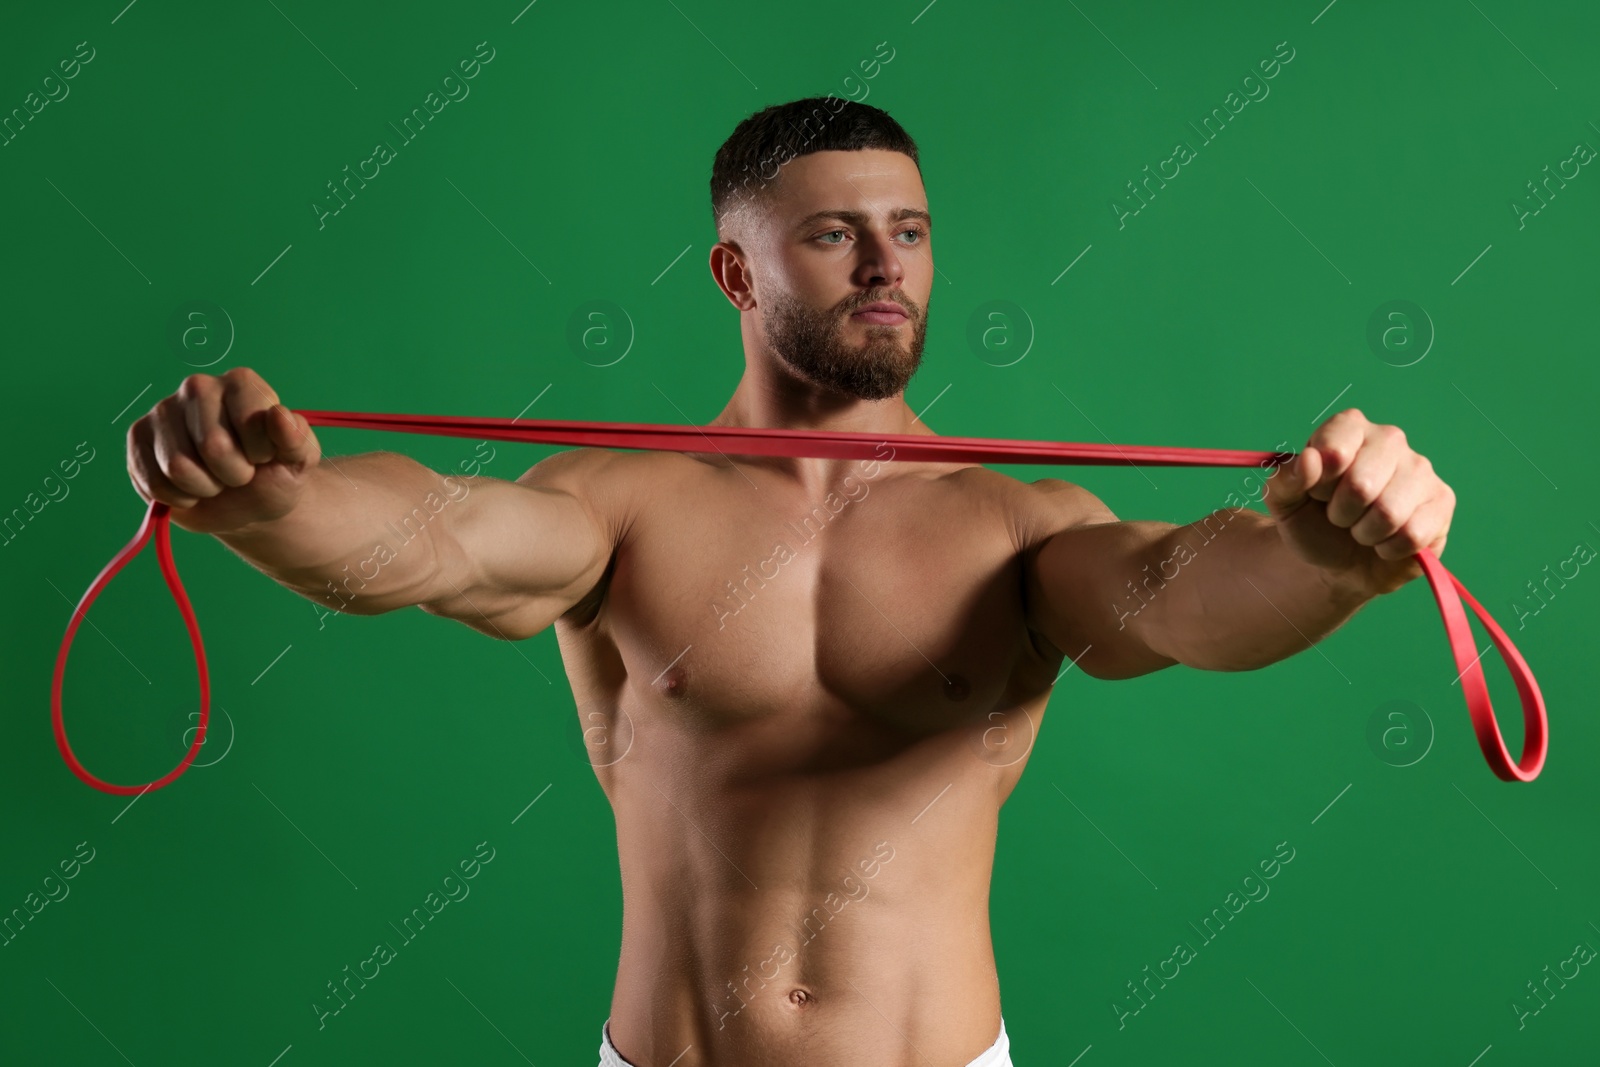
(883, 313)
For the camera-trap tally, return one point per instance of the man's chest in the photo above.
(902, 605)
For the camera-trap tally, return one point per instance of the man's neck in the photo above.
(762, 407)
(783, 402)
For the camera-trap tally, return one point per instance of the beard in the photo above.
(812, 343)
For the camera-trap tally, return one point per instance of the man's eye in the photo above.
(921, 234)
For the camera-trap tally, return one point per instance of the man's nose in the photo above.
(879, 262)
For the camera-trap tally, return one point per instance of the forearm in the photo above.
(363, 538)
(1227, 594)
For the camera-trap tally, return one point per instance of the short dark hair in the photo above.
(766, 140)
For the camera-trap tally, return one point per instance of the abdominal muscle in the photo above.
(804, 919)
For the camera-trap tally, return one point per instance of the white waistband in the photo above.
(996, 1055)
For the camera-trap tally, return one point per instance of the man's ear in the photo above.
(729, 270)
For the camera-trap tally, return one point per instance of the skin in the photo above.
(806, 751)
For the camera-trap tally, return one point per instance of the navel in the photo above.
(801, 998)
(956, 687)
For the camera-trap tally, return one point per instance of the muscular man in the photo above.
(807, 685)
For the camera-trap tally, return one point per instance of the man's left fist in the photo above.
(1359, 503)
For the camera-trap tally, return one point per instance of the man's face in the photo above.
(844, 230)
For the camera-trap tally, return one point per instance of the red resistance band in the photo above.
(1447, 591)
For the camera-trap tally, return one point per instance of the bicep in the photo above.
(1088, 580)
(519, 554)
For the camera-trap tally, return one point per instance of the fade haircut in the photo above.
(750, 160)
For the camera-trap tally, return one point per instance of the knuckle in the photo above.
(238, 379)
(1386, 511)
(193, 385)
(1361, 486)
(170, 409)
(256, 391)
(1393, 434)
(179, 467)
(215, 445)
(188, 475)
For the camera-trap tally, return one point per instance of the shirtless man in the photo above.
(807, 685)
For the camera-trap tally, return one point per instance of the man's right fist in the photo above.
(222, 452)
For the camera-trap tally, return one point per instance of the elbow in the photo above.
(1231, 667)
(1120, 664)
(1231, 661)
(1122, 672)
(361, 606)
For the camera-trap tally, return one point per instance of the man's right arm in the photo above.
(379, 532)
(373, 532)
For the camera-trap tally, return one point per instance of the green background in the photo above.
(1231, 312)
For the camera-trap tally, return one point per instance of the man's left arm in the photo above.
(1239, 590)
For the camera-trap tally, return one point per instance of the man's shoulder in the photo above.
(612, 485)
(582, 468)
(1040, 507)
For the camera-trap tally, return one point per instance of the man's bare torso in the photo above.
(806, 709)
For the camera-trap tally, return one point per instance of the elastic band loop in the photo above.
(155, 521)
(1448, 594)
